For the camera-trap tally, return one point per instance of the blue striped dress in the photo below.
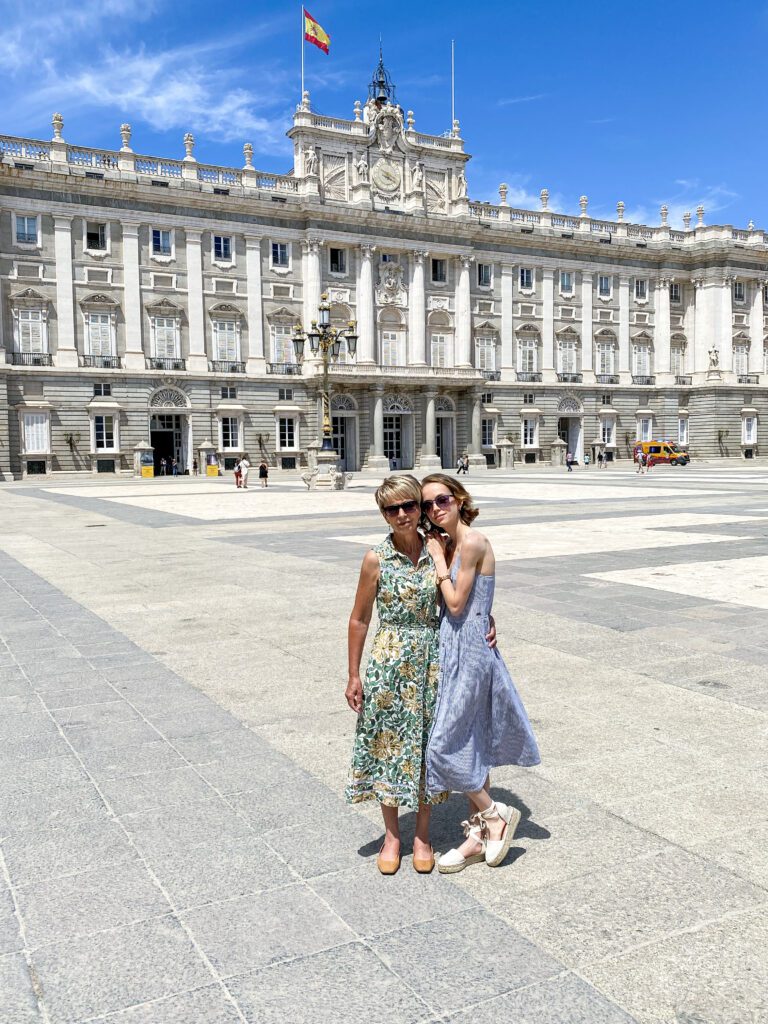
(480, 721)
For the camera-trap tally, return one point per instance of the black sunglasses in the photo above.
(406, 506)
(442, 501)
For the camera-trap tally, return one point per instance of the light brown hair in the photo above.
(467, 510)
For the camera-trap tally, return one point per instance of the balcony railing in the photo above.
(466, 372)
(607, 378)
(161, 363)
(749, 378)
(683, 378)
(491, 374)
(105, 362)
(570, 378)
(227, 366)
(26, 238)
(526, 377)
(31, 359)
(644, 380)
(288, 369)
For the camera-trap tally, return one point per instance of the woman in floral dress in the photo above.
(396, 702)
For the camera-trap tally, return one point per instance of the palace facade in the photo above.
(149, 303)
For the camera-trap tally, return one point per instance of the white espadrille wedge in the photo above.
(497, 849)
(453, 861)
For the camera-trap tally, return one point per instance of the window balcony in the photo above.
(749, 378)
(31, 359)
(105, 362)
(287, 369)
(227, 366)
(684, 378)
(645, 381)
(570, 378)
(491, 374)
(162, 363)
(607, 378)
(527, 377)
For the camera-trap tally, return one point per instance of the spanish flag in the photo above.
(314, 33)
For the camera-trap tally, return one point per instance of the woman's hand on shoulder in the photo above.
(436, 546)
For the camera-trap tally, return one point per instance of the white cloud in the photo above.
(510, 100)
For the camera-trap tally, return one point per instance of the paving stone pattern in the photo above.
(174, 848)
(139, 888)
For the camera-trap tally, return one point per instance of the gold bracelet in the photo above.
(442, 579)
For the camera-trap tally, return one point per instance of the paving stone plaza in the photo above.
(174, 844)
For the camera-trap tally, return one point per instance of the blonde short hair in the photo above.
(398, 487)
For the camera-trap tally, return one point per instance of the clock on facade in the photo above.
(386, 175)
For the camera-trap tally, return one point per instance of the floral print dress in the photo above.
(400, 686)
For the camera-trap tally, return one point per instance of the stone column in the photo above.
(417, 311)
(256, 361)
(197, 360)
(725, 333)
(429, 459)
(134, 353)
(662, 361)
(756, 330)
(624, 353)
(377, 460)
(587, 346)
(463, 333)
(66, 350)
(312, 279)
(476, 456)
(507, 320)
(365, 322)
(701, 332)
(548, 323)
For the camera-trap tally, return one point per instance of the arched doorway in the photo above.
(570, 426)
(398, 431)
(345, 435)
(170, 428)
(445, 431)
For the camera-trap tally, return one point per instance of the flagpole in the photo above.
(302, 53)
(453, 84)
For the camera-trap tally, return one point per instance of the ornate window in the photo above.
(528, 350)
(26, 230)
(641, 359)
(397, 404)
(165, 333)
(749, 429)
(36, 427)
(162, 243)
(438, 349)
(98, 328)
(604, 286)
(740, 356)
(677, 355)
(606, 430)
(223, 249)
(226, 340)
(641, 289)
(682, 430)
(30, 321)
(485, 352)
(568, 352)
(739, 291)
(529, 432)
(230, 433)
(282, 343)
(566, 282)
(526, 279)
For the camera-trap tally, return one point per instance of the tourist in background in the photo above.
(569, 461)
(238, 477)
(245, 468)
(263, 474)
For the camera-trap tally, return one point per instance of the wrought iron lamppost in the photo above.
(326, 341)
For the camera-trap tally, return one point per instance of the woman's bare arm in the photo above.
(359, 621)
(473, 551)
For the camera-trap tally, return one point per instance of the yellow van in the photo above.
(657, 452)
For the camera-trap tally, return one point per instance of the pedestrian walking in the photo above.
(648, 462)
(459, 465)
(245, 467)
(263, 474)
(174, 468)
(466, 464)
(163, 466)
(238, 478)
(599, 458)
(586, 460)
(195, 467)
(480, 722)
(569, 461)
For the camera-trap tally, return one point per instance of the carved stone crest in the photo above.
(388, 127)
(390, 290)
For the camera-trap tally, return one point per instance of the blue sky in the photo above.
(652, 103)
